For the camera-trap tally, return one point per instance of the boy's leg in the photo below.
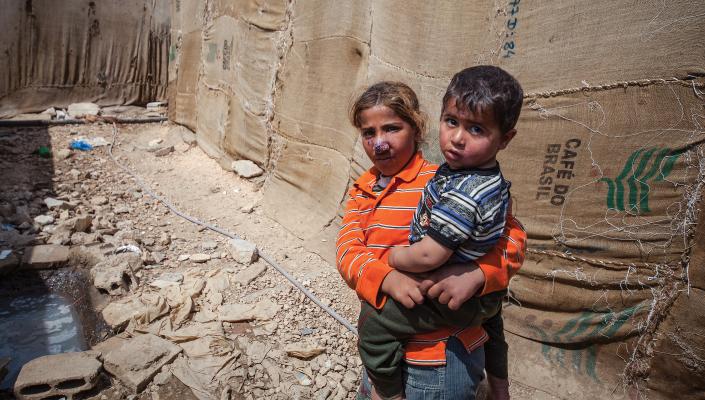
(496, 363)
(382, 332)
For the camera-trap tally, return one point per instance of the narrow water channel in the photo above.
(36, 324)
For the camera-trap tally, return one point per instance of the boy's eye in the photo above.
(475, 130)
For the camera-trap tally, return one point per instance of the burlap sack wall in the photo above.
(58, 53)
(606, 168)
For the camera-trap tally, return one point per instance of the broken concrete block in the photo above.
(137, 361)
(80, 110)
(57, 375)
(246, 169)
(242, 251)
(45, 256)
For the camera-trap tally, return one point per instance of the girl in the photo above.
(447, 363)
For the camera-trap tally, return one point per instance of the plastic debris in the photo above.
(7, 227)
(128, 248)
(80, 145)
(44, 152)
(4, 254)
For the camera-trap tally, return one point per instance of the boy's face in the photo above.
(471, 140)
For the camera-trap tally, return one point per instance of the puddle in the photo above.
(36, 324)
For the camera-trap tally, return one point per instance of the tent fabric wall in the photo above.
(100, 51)
(607, 168)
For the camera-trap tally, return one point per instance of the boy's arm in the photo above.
(421, 256)
(454, 284)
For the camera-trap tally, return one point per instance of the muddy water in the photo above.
(36, 324)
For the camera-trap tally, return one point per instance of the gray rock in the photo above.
(140, 359)
(79, 110)
(43, 220)
(54, 203)
(246, 169)
(200, 258)
(242, 251)
(57, 375)
(63, 154)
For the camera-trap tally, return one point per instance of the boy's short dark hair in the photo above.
(487, 87)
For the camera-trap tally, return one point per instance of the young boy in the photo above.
(460, 217)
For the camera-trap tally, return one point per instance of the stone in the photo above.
(122, 209)
(304, 350)
(154, 144)
(82, 223)
(80, 110)
(183, 257)
(249, 274)
(54, 203)
(110, 344)
(43, 220)
(158, 257)
(164, 151)
(63, 154)
(209, 245)
(321, 381)
(57, 375)
(246, 169)
(45, 256)
(242, 251)
(200, 258)
(99, 200)
(140, 359)
(113, 279)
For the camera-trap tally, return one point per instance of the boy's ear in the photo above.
(506, 138)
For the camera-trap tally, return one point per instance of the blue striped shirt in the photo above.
(464, 210)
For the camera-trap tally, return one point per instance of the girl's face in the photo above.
(388, 140)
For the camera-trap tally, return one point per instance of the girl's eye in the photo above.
(368, 133)
(392, 128)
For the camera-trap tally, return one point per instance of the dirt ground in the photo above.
(198, 186)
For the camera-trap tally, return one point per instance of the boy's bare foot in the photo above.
(499, 388)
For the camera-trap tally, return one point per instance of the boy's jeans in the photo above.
(458, 379)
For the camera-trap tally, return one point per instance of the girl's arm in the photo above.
(366, 274)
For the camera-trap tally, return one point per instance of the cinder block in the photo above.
(57, 375)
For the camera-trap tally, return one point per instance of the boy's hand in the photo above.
(454, 284)
(403, 288)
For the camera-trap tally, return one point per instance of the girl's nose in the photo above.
(381, 145)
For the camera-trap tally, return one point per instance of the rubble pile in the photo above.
(184, 302)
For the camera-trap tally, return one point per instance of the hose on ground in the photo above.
(39, 122)
(223, 232)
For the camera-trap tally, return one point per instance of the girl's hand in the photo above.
(403, 288)
(454, 284)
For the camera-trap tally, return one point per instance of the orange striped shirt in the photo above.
(375, 222)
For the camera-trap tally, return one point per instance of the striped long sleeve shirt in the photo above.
(374, 222)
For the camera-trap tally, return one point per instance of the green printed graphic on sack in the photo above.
(630, 190)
